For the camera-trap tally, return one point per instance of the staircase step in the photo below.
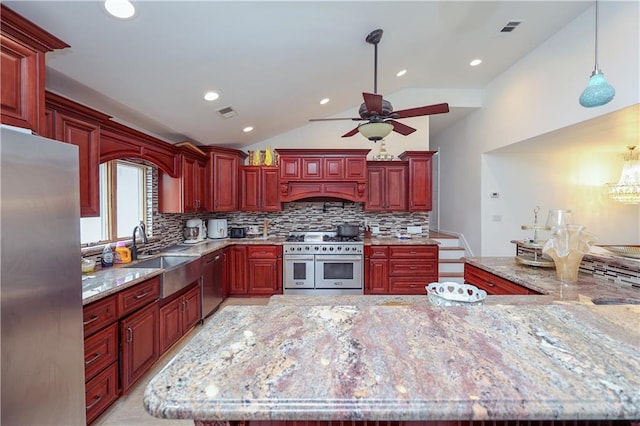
(457, 267)
(451, 254)
(447, 242)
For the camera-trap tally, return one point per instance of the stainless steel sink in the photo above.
(179, 271)
(615, 301)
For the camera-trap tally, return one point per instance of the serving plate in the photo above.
(455, 294)
(625, 250)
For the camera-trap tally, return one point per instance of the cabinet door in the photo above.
(101, 392)
(333, 168)
(225, 183)
(420, 189)
(262, 277)
(311, 168)
(192, 308)
(170, 323)
(270, 189)
(189, 185)
(20, 85)
(237, 270)
(378, 276)
(86, 136)
(375, 189)
(395, 188)
(250, 188)
(290, 168)
(100, 350)
(140, 346)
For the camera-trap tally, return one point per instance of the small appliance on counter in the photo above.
(194, 231)
(217, 228)
(237, 232)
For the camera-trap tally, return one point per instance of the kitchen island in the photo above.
(404, 361)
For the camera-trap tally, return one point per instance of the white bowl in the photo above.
(455, 294)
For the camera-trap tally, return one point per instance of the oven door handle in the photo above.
(339, 258)
(297, 257)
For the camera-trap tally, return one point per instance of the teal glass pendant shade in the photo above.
(598, 92)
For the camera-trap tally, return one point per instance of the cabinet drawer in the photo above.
(262, 252)
(491, 283)
(100, 350)
(414, 252)
(400, 267)
(378, 252)
(99, 314)
(101, 392)
(410, 285)
(137, 296)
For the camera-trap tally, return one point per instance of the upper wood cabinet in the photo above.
(76, 124)
(386, 186)
(187, 193)
(310, 173)
(420, 179)
(259, 189)
(23, 46)
(222, 178)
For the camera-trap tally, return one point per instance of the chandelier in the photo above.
(627, 190)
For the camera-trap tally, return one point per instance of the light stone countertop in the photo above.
(301, 361)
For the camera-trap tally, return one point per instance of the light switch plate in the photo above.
(414, 229)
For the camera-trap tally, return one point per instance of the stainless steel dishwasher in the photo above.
(212, 282)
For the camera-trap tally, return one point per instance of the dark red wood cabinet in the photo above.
(491, 283)
(223, 175)
(186, 193)
(420, 164)
(400, 269)
(178, 315)
(259, 189)
(255, 270)
(386, 186)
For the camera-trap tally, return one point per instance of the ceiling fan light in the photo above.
(122, 9)
(375, 131)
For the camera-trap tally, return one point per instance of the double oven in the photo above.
(319, 263)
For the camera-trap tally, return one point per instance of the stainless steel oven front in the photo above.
(343, 271)
(299, 272)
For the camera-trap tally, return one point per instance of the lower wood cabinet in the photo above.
(139, 347)
(179, 315)
(491, 283)
(101, 391)
(255, 270)
(403, 269)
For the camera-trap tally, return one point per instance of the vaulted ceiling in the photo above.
(272, 62)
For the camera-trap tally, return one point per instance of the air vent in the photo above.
(510, 26)
(227, 112)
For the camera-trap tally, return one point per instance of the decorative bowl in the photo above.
(455, 294)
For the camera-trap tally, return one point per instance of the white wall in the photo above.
(539, 94)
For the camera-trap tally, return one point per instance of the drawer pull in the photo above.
(95, 357)
(95, 318)
(97, 399)
(140, 296)
(129, 335)
(413, 267)
(489, 284)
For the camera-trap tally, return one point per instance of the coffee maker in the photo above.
(194, 231)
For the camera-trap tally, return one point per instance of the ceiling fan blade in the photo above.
(336, 119)
(373, 102)
(403, 129)
(425, 110)
(350, 133)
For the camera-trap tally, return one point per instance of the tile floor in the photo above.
(129, 411)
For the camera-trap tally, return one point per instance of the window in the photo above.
(123, 202)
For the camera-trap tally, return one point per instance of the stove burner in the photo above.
(341, 239)
(295, 238)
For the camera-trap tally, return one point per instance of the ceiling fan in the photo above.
(378, 114)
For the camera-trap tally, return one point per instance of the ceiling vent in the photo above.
(510, 26)
(227, 112)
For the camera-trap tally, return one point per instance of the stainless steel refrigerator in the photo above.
(42, 347)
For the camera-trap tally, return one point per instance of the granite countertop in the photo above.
(104, 282)
(543, 280)
(369, 360)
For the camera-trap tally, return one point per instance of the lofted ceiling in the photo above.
(272, 62)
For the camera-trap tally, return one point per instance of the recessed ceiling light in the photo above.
(401, 73)
(247, 129)
(122, 9)
(211, 96)
(324, 101)
(475, 62)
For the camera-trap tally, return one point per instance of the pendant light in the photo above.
(598, 92)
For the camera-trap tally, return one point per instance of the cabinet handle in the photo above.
(140, 296)
(413, 267)
(413, 252)
(184, 306)
(97, 399)
(95, 318)
(129, 335)
(95, 357)
(489, 284)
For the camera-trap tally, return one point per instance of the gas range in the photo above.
(322, 243)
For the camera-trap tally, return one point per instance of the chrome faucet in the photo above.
(143, 234)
